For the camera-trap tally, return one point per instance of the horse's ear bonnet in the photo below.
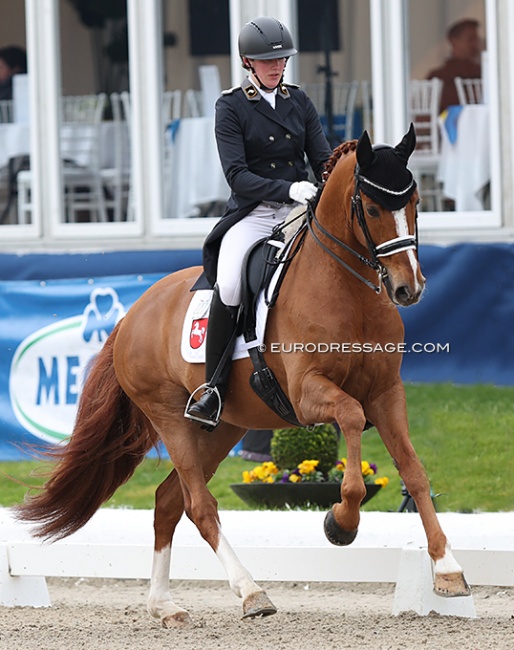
(382, 173)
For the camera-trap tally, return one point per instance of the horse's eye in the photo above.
(373, 211)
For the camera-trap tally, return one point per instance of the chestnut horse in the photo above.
(136, 391)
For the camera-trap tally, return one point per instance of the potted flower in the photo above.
(314, 480)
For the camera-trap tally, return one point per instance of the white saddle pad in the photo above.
(194, 330)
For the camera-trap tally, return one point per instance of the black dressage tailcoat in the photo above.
(262, 152)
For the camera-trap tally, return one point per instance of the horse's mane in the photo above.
(291, 225)
(341, 150)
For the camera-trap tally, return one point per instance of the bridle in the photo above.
(390, 247)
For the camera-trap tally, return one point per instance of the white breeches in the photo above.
(237, 240)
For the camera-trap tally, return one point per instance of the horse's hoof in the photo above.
(335, 534)
(258, 604)
(179, 619)
(451, 585)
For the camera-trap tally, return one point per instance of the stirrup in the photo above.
(197, 418)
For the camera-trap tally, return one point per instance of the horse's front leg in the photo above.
(323, 401)
(388, 413)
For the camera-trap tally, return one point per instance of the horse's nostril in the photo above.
(406, 295)
(403, 295)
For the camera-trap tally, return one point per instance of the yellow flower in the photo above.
(366, 469)
(383, 481)
(294, 478)
(259, 474)
(341, 464)
(308, 466)
(263, 473)
(270, 467)
(265, 470)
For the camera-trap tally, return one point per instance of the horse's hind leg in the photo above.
(202, 509)
(196, 456)
(169, 507)
(389, 414)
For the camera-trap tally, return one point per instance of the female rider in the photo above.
(265, 129)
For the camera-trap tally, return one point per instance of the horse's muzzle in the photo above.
(405, 295)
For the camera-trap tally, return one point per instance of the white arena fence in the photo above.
(273, 545)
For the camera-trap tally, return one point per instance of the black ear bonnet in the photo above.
(382, 174)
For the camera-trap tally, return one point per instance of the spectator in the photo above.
(464, 60)
(13, 60)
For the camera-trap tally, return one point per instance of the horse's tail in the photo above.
(110, 438)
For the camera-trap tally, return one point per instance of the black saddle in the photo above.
(259, 265)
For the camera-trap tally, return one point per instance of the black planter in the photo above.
(282, 495)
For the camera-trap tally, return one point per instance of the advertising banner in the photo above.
(51, 329)
(49, 333)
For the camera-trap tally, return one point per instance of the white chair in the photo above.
(116, 179)
(210, 85)
(344, 95)
(172, 105)
(201, 103)
(125, 102)
(367, 124)
(88, 109)
(469, 91)
(6, 196)
(171, 111)
(424, 97)
(6, 110)
(171, 114)
(80, 155)
(193, 103)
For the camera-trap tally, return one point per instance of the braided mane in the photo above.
(343, 149)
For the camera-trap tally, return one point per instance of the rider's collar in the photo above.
(270, 96)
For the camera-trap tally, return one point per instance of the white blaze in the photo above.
(402, 230)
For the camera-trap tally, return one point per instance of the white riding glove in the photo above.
(302, 191)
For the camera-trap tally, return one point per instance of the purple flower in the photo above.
(373, 467)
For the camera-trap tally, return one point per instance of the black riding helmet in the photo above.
(265, 38)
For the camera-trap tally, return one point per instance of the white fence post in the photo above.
(21, 591)
(415, 589)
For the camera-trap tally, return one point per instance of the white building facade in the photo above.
(383, 44)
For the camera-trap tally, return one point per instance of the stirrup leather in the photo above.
(197, 418)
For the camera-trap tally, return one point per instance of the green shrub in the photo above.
(289, 447)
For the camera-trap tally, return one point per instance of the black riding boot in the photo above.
(220, 343)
